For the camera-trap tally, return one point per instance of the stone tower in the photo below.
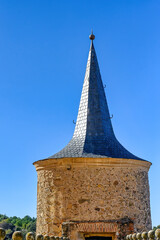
(93, 188)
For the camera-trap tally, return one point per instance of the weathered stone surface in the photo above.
(2, 233)
(139, 237)
(30, 236)
(151, 234)
(39, 237)
(157, 234)
(17, 235)
(93, 185)
(87, 192)
(134, 236)
(144, 235)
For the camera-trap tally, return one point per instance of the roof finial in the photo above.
(92, 37)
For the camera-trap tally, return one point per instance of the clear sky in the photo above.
(43, 53)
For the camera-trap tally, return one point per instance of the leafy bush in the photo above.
(154, 228)
(11, 224)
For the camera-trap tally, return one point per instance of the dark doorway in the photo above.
(98, 238)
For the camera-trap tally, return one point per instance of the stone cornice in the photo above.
(91, 162)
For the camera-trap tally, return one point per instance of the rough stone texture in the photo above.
(117, 229)
(93, 185)
(91, 190)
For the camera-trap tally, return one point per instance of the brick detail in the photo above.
(97, 227)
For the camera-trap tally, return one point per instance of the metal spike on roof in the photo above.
(93, 135)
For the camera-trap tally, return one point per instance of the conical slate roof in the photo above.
(93, 136)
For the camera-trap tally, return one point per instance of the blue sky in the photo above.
(43, 53)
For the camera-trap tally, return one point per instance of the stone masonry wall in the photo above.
(67, 193)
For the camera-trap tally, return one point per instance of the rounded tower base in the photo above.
(80, 197)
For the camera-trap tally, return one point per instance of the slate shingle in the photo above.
(93, 136)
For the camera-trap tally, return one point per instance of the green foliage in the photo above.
(154, 228)
(31, 226)
(2, 217)
(11, 224)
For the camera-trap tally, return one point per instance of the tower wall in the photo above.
(91, 191)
